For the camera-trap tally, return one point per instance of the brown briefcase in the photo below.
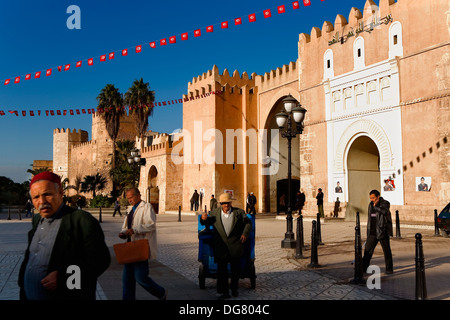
(133, 251)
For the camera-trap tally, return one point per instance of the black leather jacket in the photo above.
(383, 219)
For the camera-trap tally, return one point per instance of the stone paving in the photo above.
(279, 275)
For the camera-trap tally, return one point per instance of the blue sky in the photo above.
(34, 36)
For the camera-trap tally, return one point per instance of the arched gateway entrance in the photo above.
(363, 175)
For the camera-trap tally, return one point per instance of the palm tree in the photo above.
(37, 171)
(76, 186)
(123, 174)
(111, 101)
(140, 97)
(93, 184)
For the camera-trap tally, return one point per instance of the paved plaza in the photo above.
(279, 275)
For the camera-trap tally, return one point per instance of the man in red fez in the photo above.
(61, 237)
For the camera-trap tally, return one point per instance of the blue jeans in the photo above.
(138, 272)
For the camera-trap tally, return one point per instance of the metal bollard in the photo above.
(397, 225)
(436, 227)
(206, 209)
(421, 287)
(300, 244)
(100, 215)
(358, 274)
(314, 256)
(319, 232)
(357, 220)
(20, 215)
(9, 213)
(179, 213)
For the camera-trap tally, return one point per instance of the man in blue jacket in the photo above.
(66, 247)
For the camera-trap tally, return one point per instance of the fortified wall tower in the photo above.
(63, 141)
(206, 118)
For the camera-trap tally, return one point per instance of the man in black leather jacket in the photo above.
(379, 228)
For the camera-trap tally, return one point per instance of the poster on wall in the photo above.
(423, 183)
(389, 184)
(338, 188)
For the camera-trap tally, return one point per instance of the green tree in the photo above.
(140, 97)
(37, 171)
(110, 100)
(93, 184)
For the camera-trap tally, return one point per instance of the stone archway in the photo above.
(152, 188)
(277, 151)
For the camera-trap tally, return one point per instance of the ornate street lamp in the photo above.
(293, 110)
(135, 157)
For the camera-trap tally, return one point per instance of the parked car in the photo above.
(444, 221)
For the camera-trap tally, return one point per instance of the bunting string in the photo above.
(82, 111)
(153, 44)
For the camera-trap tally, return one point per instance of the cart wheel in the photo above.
(201, 277)
(252, 276)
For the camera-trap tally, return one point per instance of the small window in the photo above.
(328, 63)
(359, 53)
(395, 39)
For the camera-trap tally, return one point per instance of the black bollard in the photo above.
(9, 213)
(314, 256)
(20, 215)
(319, 232)
(421, 287)
(436, 227)
(179, 213)
(100, 215)
(299, 245)
(358, 274)
(357, 220)
(206, 210)
(397, 225)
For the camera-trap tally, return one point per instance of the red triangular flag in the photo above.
(252, 17)
(7, 81)
(184, 36)
(138, 48)
(28, 76)
(162, 42)
(66, 67)
(281, 9)
(173, 39)
(37, 75)
(237, 21)
(103, 57)
(16, 79)
(210, 29)
(111, 56)
(267, 13)
(48, 72)
(307, 2)
(78, 64)
(124, 52)
(153, 44)
(197, 33)
(90, 62)
(295, 5)
(225, 25)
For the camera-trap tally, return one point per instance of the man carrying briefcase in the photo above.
(140, 224)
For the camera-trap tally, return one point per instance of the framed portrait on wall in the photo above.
(423, 184)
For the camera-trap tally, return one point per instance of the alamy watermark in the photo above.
(234, 146)
(74, 20)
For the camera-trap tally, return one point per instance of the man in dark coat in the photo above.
(379, 228)
(252, 203)
(232, 227)
(319, 198)
(66, 250)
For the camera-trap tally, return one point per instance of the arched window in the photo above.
(328, 64)
(395, 40)
(358, 54)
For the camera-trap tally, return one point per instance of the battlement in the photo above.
(83, 144)
(66, 131)
(351, 26)
(278, 76)
(212, 80)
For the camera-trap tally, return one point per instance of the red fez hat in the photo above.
(46, 175)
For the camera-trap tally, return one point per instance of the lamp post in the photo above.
(292, 109)
(135, 159)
